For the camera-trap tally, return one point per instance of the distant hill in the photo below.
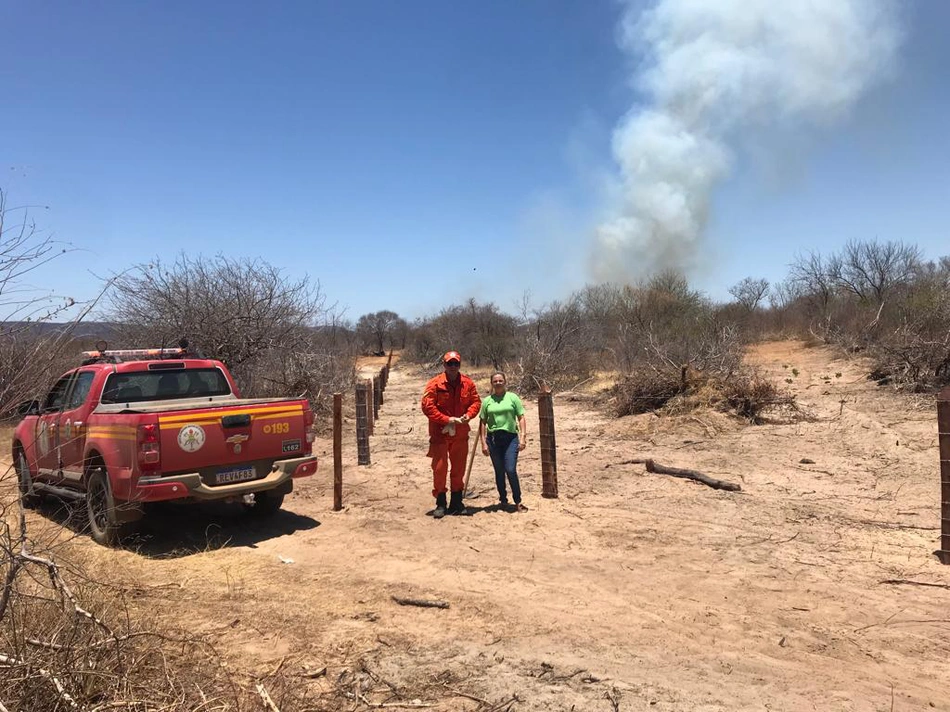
(84, 330)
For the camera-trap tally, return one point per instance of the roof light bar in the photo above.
(134, 353)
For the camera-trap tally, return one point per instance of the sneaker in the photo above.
(439, 510)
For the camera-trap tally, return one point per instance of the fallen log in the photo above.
(420, 602)
(691, 475)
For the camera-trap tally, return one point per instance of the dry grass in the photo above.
(746, 393)
(70, 641)
(79, 633)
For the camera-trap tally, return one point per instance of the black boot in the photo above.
(456, 506)
(439, 510)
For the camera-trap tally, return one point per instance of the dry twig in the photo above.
(420, 602)
(908, 582)
(268, 702)
(385, 705)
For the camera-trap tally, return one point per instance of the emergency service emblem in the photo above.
(236, 441)
(191, 437)
(43, 437)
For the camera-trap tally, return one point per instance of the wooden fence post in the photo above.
(337, 452)
(943, 434)
(362, 432)
(370, 418)
(548, 443)
(377, 397)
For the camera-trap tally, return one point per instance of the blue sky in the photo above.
(411, 155)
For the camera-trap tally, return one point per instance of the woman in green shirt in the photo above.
(502, 416)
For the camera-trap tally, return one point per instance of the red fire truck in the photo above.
(149, 425)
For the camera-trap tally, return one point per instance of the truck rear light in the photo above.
(149, 447)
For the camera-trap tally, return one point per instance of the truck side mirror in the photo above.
(31, 407)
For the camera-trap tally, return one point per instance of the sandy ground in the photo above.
(632, 591)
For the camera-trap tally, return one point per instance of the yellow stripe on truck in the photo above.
(255, 413)
(110, 436)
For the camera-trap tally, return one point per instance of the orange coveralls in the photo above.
(442, 400)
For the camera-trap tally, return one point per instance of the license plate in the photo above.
(290, 446)
(236, 474)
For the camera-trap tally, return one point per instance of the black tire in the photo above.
(104, 526)
(28, 494)
(266, 504)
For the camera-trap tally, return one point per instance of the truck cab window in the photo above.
(80, 389)
(56, 396)
(139, 386)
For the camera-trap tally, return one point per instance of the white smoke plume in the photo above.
(712, 72)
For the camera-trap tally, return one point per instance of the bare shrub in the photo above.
(68, 642)
(312, 373)
(750, 394)
(645, 391)
(269, 331)
(555, 349)
(679, 352)
(912, 346)
(745, 393)
(879, 298)
(29, 361)
(482, 333)
(31, 342)
(666, 325)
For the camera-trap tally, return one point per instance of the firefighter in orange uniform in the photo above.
(449, 401)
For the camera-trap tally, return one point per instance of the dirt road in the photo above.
(632, 591)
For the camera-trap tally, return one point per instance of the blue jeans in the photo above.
(503, 449)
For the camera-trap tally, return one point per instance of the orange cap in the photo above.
(451, 356)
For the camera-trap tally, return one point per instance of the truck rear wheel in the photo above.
(266, 504)
(28, 495)
(104, 525)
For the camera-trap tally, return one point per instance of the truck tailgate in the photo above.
(232, 435)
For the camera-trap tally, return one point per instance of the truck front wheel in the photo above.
(28, 494)
(104, 525)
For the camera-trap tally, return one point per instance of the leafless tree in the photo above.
(381, 330)
(662, 316)
(601, 304)
(749, 292)
(481, 332)
(784, 294)
(872, 270)
(555, 350)
(31, 338)
(814, 278)
(881, 298)
(912, 345)
(243, 312)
